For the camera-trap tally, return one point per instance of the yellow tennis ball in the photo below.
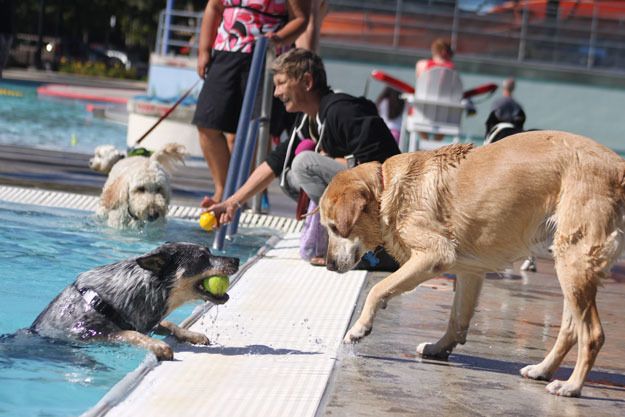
(208, 221)
(216, 285)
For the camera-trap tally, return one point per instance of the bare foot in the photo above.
(318, 261)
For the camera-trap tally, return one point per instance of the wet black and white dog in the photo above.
(124, 301)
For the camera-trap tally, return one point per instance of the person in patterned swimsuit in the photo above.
(227, 38)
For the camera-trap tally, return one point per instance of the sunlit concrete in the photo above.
(515, 324)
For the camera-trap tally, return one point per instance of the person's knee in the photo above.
(302, 162)
(210, 134)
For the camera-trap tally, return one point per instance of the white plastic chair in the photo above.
(436, 107)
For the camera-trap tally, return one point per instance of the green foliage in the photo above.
(97, 69)
(88, 21)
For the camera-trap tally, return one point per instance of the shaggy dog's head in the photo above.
(137, 190)
(349, 210)
(138, 194)
(104, 157)
(149, 194)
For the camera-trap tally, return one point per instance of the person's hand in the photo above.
(224, 211)
(203, 59)
(275, 38)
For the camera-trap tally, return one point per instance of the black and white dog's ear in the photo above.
(152, 262)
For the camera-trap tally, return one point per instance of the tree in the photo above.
(88, 21)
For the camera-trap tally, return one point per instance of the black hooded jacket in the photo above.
(349, 126)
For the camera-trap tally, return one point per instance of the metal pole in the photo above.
(246, 162)
(454, 27)
(38, 63)
(523, 38)
(168, 9)
(159, 31)
(397, 24)
(234, 168)
(593, 38)
(265, 118)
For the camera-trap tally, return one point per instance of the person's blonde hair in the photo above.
(297, 62)
(442, 47)
(509, 84)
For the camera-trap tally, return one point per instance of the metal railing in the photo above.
(583, 33)
(178, 32)
(247, 132)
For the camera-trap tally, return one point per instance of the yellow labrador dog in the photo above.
(470, 211)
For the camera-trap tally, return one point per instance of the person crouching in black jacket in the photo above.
(346, 131)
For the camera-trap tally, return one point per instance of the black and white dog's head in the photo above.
(134, 294)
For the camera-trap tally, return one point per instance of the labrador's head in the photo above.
(349, 210)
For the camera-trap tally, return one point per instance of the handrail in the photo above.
(265, 118)
(236, 168)
(246, 162)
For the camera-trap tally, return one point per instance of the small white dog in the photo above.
(104, 157)
(137, 190)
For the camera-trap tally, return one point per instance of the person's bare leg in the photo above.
(230, 139)
(217, 155)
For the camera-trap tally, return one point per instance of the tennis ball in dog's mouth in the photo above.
(216, 285)
(208, 221)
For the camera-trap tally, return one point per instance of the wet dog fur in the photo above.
(138, 191)
(139, 293)
(470, 211)
(104, 157)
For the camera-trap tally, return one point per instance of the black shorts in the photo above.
(219, 103)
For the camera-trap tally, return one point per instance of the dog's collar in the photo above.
(130, 213)
(96, 302)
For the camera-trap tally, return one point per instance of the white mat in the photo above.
(276, 342)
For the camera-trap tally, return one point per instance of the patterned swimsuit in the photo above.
(246, 20)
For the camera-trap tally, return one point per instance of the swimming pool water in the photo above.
(42, 250)
(53, 123)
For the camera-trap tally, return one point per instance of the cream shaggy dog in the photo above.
(104, 157)
(137, 190)
(470, 211)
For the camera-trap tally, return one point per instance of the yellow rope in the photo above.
(12, 93)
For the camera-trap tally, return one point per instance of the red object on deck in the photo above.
(407, 88)
(392, 81)
(479, 90)
(62, 91)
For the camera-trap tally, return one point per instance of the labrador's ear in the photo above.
(348, 210)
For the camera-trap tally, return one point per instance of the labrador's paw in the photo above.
(357, 332)
(534, 372)
(563, 388)
(432, 351)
